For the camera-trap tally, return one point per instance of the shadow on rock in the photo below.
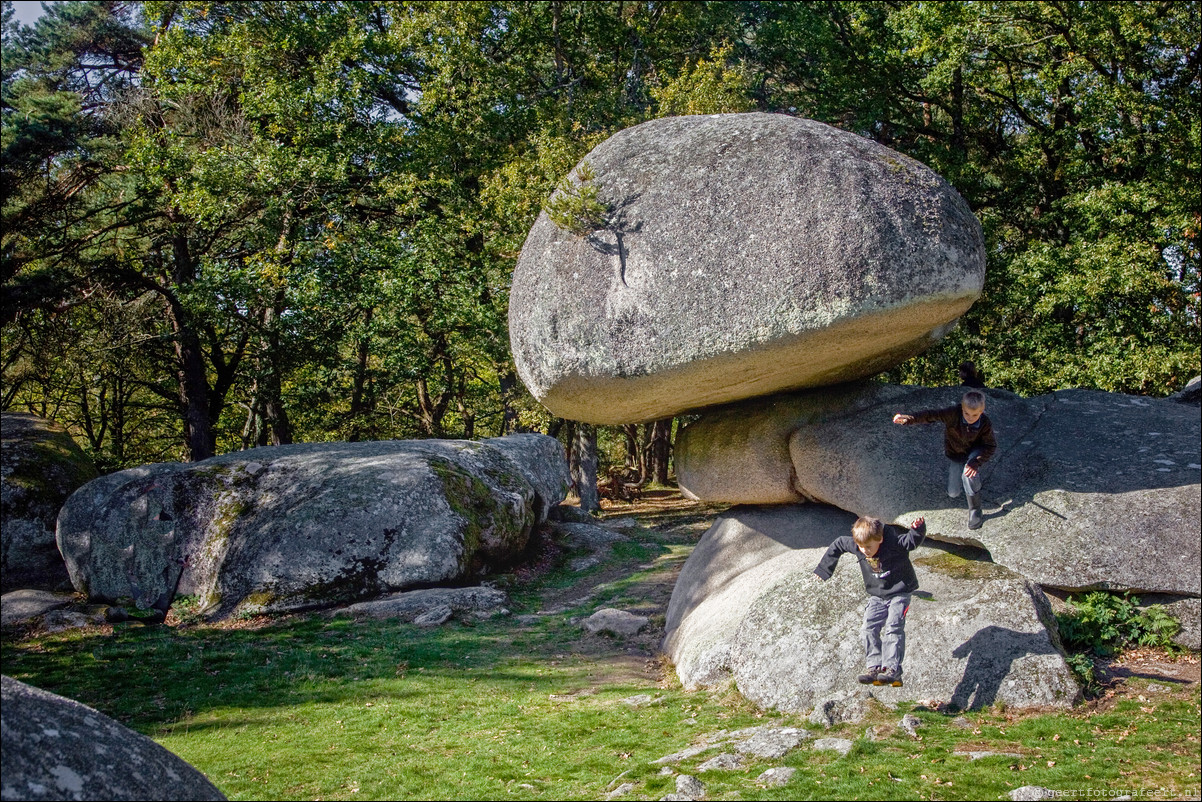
(991, 652)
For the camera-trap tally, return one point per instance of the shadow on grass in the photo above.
(148, 677)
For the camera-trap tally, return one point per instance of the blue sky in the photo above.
(27, 11)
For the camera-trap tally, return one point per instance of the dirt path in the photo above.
(673, 522)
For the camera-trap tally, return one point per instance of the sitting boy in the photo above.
(968, 442)
(884, 555)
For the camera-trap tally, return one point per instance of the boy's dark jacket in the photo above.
(896, 573)
(959, 438)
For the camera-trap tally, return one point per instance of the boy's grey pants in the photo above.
(884, 632)
(958, 481)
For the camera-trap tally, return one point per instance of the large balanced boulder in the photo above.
(748, 607)
(40, 466)
(743, 254)
(57, 748)
(1088, 490)
(295, 527)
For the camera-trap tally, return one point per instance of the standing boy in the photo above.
(889, 578)
(968, 442)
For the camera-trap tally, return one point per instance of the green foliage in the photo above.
(711, 86)
(1082, 666)
(230, 224)
(1104, 623)
(576, 205)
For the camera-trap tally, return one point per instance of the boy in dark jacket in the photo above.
(884, 555)
(968, 442)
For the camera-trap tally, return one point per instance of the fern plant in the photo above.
(1105, 623)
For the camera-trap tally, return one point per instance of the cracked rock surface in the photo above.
(748, 607)
(1088, 489)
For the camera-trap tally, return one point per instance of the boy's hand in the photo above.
(919, 523)
(903, 419)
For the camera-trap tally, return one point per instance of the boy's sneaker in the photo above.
(869, 676)
(889, 676)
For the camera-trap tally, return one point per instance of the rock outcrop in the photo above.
(744, 254)
(40, 466)
(28, 604)
(410, 605)
(57, 748)
(748, 607)
(303, 526)
(1088, 490)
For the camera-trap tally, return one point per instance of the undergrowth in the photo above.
(1104, 624)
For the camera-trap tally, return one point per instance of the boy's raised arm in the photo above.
(913, 537)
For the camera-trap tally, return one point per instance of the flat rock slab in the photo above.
(766, 741)
(285, 528)
(743, 254)
(411, 604)
(1088, 490)
(727, 761)
(747, 606)
(40, 467)
(617, 622)
(690, 786)
(18, 606)
(776, 777)
(840, 745)
(591, 539)
(57, 748)
(773, 742)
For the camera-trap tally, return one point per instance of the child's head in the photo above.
(972, 405)
(868, 534)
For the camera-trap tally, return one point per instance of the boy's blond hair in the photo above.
(867, 530)
(973, 399)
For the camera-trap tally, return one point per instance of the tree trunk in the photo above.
(358, 390)
(585, 442)
(569, 437)
(274, 414)
(466, 413)
(253, 428)
(507, 382)
(661, 449)
(631, 432)
(190, 368)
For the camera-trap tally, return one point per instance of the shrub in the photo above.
(1106, 623)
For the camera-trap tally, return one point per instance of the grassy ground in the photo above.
(315, 707)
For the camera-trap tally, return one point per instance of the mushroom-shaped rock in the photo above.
(740, 255)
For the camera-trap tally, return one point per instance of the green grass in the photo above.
(310, 707)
